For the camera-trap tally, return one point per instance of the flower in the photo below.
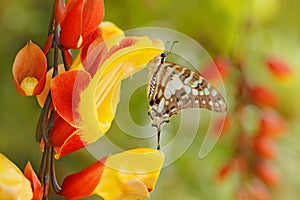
(78, 21)
(89, 99)
(29, 70)
(35, 183)
(127, 175)
(278, 67)
(263, 96)
(219, 66)
(13, 184)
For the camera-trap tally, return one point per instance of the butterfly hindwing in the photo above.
(172, 88)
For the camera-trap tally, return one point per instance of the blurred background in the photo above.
(257, 49)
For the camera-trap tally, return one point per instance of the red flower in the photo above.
(35, 183)
(272, 124)
(267, 173)
(278, 67)
(29, 70)
(264, 147)
(263, 96)
(80, 19)
(127, 175)
(219, 66)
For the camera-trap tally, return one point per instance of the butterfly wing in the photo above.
(173, 88)
(199, 92)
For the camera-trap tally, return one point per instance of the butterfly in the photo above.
(172, 87)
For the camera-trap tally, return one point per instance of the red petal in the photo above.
(96, 54)
(71, 144)
(219, 66)
(93, 13)
(71, 24)
(83, 183)
(278, 67)
(95, 35)
(59, 10)
(272, 124)
(264, 147)
(224, 171)
(48, 43)
(267, 173)
(60, 131)
(66, 89)
(68, 57)
(80, 20)
(31, 63)
(260, 191)
(64, 137)
(263, 96)
(35, 183)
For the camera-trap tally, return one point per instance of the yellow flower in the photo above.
(13, 184)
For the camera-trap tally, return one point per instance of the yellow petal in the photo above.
(99, 101)
(13, 184)
(28, 85)
(110, 31)
(131, 174)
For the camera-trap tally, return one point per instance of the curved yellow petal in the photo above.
(99, 100)
(110, 31)
(131, 174)
(13, 184)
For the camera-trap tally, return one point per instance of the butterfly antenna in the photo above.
(172, 46)
(167, 44)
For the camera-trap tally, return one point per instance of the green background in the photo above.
(219, 26)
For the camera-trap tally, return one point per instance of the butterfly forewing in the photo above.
(201, 93)
(172, 88)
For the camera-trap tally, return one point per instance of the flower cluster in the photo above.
(258, 124)
(79, 99)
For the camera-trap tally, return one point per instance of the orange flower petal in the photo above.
(267, 173)
(48, 43)
(66, 89)
(278, 67)
(64, 137)
(80, 20)
(272, 124)
(35, 183)
(263, 96)
(219, 66)
(59, 10)
(29, 70)
(264, 147)
(83, 183)
(71, 23)
(68, 57)
(93, 13)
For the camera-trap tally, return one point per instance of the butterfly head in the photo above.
(158, 60)
(161, 58)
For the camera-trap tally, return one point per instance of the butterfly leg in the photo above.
(158, 139)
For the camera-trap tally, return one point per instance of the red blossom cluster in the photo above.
(255, 147)
(79, 99)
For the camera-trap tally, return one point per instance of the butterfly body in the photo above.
(172, 88)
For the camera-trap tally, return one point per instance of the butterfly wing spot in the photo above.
(195, 92)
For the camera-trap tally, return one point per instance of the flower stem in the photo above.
(54, 182)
